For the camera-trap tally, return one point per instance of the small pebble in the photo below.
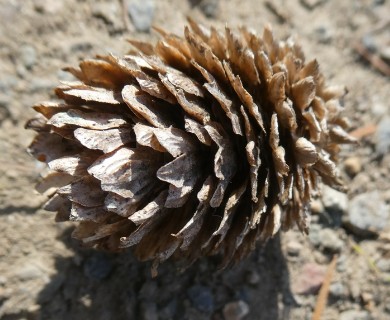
(320, 258)
(383, 136)
(141, 13)
(252, 277)
(342, 263)
(354, 315)
(86, 301)
(41, 85)
(169, 311)
(383, 265)
(385, 53)
(34, 311)
(28, 56)
(149, 311)
(65, 76)
(8, 83)
(98, 267)
(314, 235)
(29, 272)
(368, 214)
(209, 7)
(334, 200)
(330, 240)
(148, 290)
(77, 259)
(242, 294)
(316, 206)
(323, 34)
(354, 289)
(4, 111)
(108, 12)
(367, 298)
(379, 108)
(310, 279)
(338, 290)
(80, 46)
(387, 305)
(311, 4)
(378, 2)
(235, 310)
(21, 70)
(48, 6)
(369, 42)
(201, 297)
(353, 166)
(293, 248)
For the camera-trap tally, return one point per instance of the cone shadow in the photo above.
(98, 285)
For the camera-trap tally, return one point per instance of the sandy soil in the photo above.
(46, 275)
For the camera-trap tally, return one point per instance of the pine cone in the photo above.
(195, 146)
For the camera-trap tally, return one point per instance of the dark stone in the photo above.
(98, 266)
(169, 311)
(201, 297)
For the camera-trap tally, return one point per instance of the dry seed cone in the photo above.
(199, 145)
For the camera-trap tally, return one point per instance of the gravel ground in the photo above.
(46, 275)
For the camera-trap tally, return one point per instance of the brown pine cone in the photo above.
(195, 146)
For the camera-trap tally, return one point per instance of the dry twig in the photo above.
(280, 14)
(125, 17)
(324, 291)
(374, 59)
(362, 132)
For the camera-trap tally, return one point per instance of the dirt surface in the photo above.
(46, 275)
